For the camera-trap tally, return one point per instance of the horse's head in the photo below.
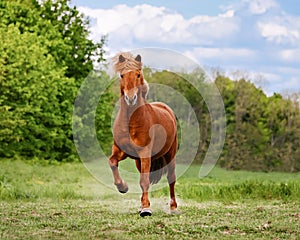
(132, 83)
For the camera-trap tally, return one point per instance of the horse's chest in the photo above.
(130, 140)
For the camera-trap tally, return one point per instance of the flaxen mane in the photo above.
(128, 64)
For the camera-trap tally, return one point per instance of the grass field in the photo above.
(63, 201)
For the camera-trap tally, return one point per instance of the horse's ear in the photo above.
(138, 58)
(121, 58)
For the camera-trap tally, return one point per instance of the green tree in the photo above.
(284, 123)
(36, 98)
(78, 51)
(45, 54)
(63, 30)
(262, 132)
(93, 115)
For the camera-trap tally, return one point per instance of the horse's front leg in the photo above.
(145, 183)
(116, 156)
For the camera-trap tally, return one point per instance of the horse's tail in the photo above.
(158, 168)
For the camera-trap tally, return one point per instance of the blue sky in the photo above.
(259, 39)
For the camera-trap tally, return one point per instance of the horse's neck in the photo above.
(127, 111)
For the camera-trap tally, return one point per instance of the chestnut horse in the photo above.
(143, 131)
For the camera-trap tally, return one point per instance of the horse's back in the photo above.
(162, 107)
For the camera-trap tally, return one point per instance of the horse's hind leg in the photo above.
(170, 157)
(116, 156)
(172, 179)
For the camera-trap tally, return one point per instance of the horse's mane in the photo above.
(128, 65)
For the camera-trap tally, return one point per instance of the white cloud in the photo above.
(148, 23)
(272, 23)
(222, 54)
(278, 33)
(260, 6)
(230, 13)
(290, 55)
(254, 7)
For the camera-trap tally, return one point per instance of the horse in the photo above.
(145, 132)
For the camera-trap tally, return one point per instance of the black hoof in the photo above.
(145, 212)
(124, 191)
(121, 187)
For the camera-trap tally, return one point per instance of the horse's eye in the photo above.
(121, 75)
(139, 75)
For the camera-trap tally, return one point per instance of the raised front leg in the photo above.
(116, 156)
(145, 183)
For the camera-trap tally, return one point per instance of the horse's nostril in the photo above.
(130, 101)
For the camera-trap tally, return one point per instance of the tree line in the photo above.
(262, 132)
(46, 55)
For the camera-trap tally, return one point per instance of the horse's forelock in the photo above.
(128, 63)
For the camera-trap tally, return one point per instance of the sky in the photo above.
(257, 39)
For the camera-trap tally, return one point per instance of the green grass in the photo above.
(21, 180)
(98, 220)
(63, 201)
(229, 186)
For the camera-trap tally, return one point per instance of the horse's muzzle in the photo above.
(131, 101)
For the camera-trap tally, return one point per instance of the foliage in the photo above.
(63, 31)
(92, 115)
(77, 51)
(262, 132)
(45, 54)
(36, 98)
